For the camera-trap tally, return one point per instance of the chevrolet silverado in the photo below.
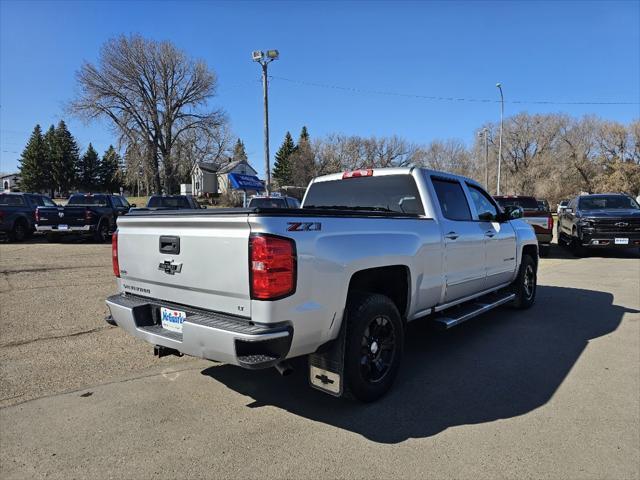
(337, 280)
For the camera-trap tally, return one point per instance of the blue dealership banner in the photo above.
(245, 182)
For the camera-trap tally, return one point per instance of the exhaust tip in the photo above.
(284, 368)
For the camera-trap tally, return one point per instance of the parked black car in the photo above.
(609, 220)
(85, 214)
(17, 214)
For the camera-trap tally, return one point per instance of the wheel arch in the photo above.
(393, 281)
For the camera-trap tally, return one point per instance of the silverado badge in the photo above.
(169, 267)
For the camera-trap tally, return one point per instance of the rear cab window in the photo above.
(384, 193)
(88, 201)
(526, 203)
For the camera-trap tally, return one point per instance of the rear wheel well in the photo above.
(391, 281)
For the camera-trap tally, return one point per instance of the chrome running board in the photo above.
(456, 315)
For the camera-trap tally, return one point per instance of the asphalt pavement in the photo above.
(552, 392)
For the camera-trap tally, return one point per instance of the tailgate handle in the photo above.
(169, 244)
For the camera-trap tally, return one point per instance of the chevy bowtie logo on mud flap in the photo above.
(170, 268)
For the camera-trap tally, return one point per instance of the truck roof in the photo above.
(396, 171)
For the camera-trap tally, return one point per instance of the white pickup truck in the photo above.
(336, 280)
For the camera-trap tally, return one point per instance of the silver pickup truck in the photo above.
(336, 280)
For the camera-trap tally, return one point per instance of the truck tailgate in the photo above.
(71, 216)
(204, 260)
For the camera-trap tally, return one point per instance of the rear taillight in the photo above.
(272, 266)
(357, 173)
(549, 222)
(36, 215)
(1, 216)
(114, 254)
(88, 215)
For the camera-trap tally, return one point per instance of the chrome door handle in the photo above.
(451, 235)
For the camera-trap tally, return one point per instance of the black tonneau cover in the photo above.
(275, 212)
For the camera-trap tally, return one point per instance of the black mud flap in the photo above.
(326, 368)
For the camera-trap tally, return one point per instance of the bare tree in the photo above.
(152, 92)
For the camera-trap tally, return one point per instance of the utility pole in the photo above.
(486, 158)
(499, 86)
(264, 59)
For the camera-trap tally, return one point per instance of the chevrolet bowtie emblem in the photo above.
(169, 267)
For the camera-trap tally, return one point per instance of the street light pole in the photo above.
(264, 59)
(499, 85)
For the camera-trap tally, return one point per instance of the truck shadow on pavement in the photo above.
(500, 365)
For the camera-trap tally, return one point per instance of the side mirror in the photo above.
(511, 212)
(132, 205)
(568, 210)
(486, 217)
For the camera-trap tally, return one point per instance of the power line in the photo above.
(440, 98)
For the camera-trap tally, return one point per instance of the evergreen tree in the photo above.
(282, 165)
(239, 152)
(33, 163)
(65, 158)
(50, 152)
(109, 177)
(302, 161)
(88, 170)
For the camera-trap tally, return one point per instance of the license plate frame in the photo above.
(621, 241)
(172, 320)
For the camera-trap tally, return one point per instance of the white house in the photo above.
(10, 182)
(208, 178)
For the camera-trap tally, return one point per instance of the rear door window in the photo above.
(11, 200)
(452, 199)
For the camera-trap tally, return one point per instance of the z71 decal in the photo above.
(304, 226)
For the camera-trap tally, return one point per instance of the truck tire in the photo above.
(526, 284)
(576, 245)
(19, 231)
(374, 346)
(101, 234)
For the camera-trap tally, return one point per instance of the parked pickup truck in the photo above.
(610, 220)
(17, 214)
(336, 281)
(85, 214)
(539, 218)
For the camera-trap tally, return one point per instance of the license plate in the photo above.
(63, 227)
(622, 241)
(172, 319)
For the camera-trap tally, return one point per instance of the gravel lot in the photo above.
(553, 392)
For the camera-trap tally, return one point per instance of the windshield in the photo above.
(608, 202)
(526, 203)
(168, 202)
(88, 200)
(386, 193)
(11, 200)
(266, 202)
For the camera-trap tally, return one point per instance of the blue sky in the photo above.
(554, 51)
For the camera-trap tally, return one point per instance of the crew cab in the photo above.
(336, 281)
(537, 216)
(85, 214)
(17, 214)
(610, 220)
